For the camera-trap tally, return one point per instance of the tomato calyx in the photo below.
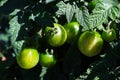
(51, 31)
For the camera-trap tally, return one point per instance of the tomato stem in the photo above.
(108, 26)
(51, 51)
(47, 51)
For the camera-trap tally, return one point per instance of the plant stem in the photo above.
(108, 26)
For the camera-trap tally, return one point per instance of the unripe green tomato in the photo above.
(55, 36)
(28, 58)
(72, 29)
(90, 43)
(92, 4)
(47, 60)
(109, 35)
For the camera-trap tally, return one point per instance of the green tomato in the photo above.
(28, 58)
(55, 36)
(92, 4)
(47, 60)
(90, 43)
(109, 35)
(72, 29)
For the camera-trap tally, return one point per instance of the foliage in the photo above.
(23, 21)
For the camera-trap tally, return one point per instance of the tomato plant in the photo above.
(72, 29)
(28, 58)
(55, 36)
(47, 59)
(90, 43)
(40, 24)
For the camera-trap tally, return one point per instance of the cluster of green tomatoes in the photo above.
(90, 43)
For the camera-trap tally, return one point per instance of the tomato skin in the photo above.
(56, 36)
(109, 35)
(28, 58)
(90, 43)
(92, 4)
(72, 29)
(47, 60)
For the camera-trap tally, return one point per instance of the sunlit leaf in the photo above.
(14, 32)
(2, 2)
(82, 16)
(69, 12)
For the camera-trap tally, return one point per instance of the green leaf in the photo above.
(101, 13)
(2, 2)
(61, 8)
(14, 32)
(82, 17)
(4, 37)
(69, 12)
(48, 1)
(18, 46)
(65, 9)
(113, 2)
(114, 12)
(98, 16)
(15, 12)
(14, 28)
